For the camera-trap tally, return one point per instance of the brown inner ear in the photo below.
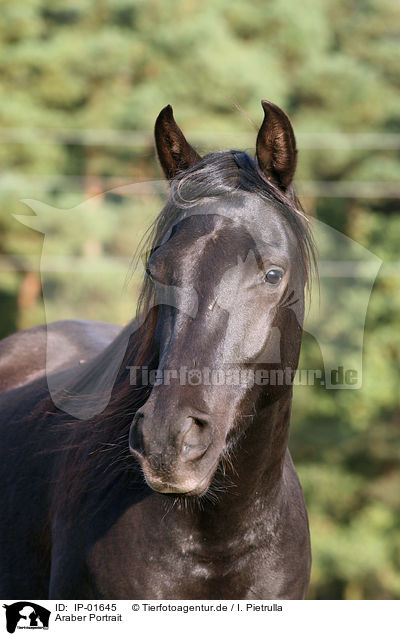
(174, 152)
(276, 146)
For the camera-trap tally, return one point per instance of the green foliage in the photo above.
(76, 74)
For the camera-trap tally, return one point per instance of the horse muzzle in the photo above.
(175, 456)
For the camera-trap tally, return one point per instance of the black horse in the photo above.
(182, 488)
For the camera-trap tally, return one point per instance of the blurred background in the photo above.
(81, 83)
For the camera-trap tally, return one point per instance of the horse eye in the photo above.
(148, 272)
(273, 276)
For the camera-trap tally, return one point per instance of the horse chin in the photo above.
(187, 489)
(184, 485)
(177, 482)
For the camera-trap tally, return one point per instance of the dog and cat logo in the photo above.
(26, 615)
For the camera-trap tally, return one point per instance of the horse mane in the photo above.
(98, 447)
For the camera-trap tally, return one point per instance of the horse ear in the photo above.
(174, 152)
(276, 146)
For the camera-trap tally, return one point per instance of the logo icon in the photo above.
(26, 615)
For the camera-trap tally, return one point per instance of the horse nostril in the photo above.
(196, 439)
(198, 422)
(136, 434)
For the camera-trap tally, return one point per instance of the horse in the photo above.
(182, 486)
